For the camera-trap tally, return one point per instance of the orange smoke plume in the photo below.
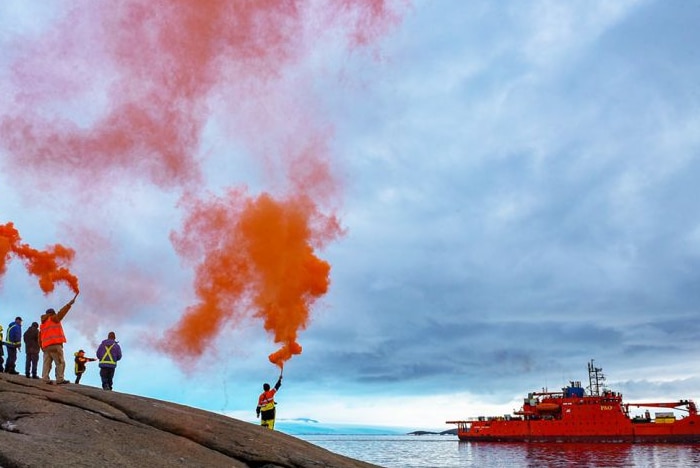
(47, 265)
(136, 91)
(255, 258)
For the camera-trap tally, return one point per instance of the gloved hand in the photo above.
(257, 413)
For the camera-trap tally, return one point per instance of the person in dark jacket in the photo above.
(32, 349)
(108, 353)
(80, 361)
(13, 341)
(2, 352)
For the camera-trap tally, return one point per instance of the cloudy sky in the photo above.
(502, 192)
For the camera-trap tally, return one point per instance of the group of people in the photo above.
(49, 339)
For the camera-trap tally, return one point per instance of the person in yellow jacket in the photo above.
(52, 339)
(266, 404)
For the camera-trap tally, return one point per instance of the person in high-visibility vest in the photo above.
(108, 353)
(52, 338)
(13, 341)
(266, 404)
(80, 361)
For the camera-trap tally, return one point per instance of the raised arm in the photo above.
(64, 310)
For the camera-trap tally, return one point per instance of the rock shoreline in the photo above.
(83, 426)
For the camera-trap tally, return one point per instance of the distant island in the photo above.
(312, 427)
(447, 432)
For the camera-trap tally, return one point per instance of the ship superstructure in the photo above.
(574, 415)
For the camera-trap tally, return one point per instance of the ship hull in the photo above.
(603, 427)
(571, 415)
(647, 439)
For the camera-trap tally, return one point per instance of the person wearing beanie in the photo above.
(109, 352)
(32, 349)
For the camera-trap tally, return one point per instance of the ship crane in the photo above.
(682, 405)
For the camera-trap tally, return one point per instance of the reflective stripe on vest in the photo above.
(7, 337)
(51, 333)
(108, 353)
(267, 400)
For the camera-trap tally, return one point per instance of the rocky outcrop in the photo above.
(82, 426)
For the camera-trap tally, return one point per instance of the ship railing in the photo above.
(462, 426)
(549, 394)
(505, 417)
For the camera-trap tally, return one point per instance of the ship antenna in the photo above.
(596, 379)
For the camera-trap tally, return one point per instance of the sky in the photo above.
(422, 210)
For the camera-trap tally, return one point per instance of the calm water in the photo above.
(447, 452)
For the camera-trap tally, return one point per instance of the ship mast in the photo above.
(596, 379)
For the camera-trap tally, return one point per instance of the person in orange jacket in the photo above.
(52, 339)
(266, 404)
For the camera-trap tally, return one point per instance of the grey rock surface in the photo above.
(81, 426)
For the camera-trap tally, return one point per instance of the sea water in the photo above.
(443, 451)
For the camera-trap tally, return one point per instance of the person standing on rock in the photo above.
(80, 361)
(52, 339)
(13, 341)
(108, 353)
(31, 348)
(266, 404)
(2, 352)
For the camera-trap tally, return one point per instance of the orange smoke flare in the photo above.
(255, 256)
(133, 91)
(47, 265)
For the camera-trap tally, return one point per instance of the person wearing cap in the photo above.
(13, 341)
(109, 352)
(52, 339)
(80, 361)
(32, 349)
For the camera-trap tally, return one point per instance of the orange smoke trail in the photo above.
(154, 66)
(125, 92)
(47, 265)
(255, 258)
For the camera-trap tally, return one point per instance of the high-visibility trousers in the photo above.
(267, 418)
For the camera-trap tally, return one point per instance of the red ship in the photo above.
(573, 415)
